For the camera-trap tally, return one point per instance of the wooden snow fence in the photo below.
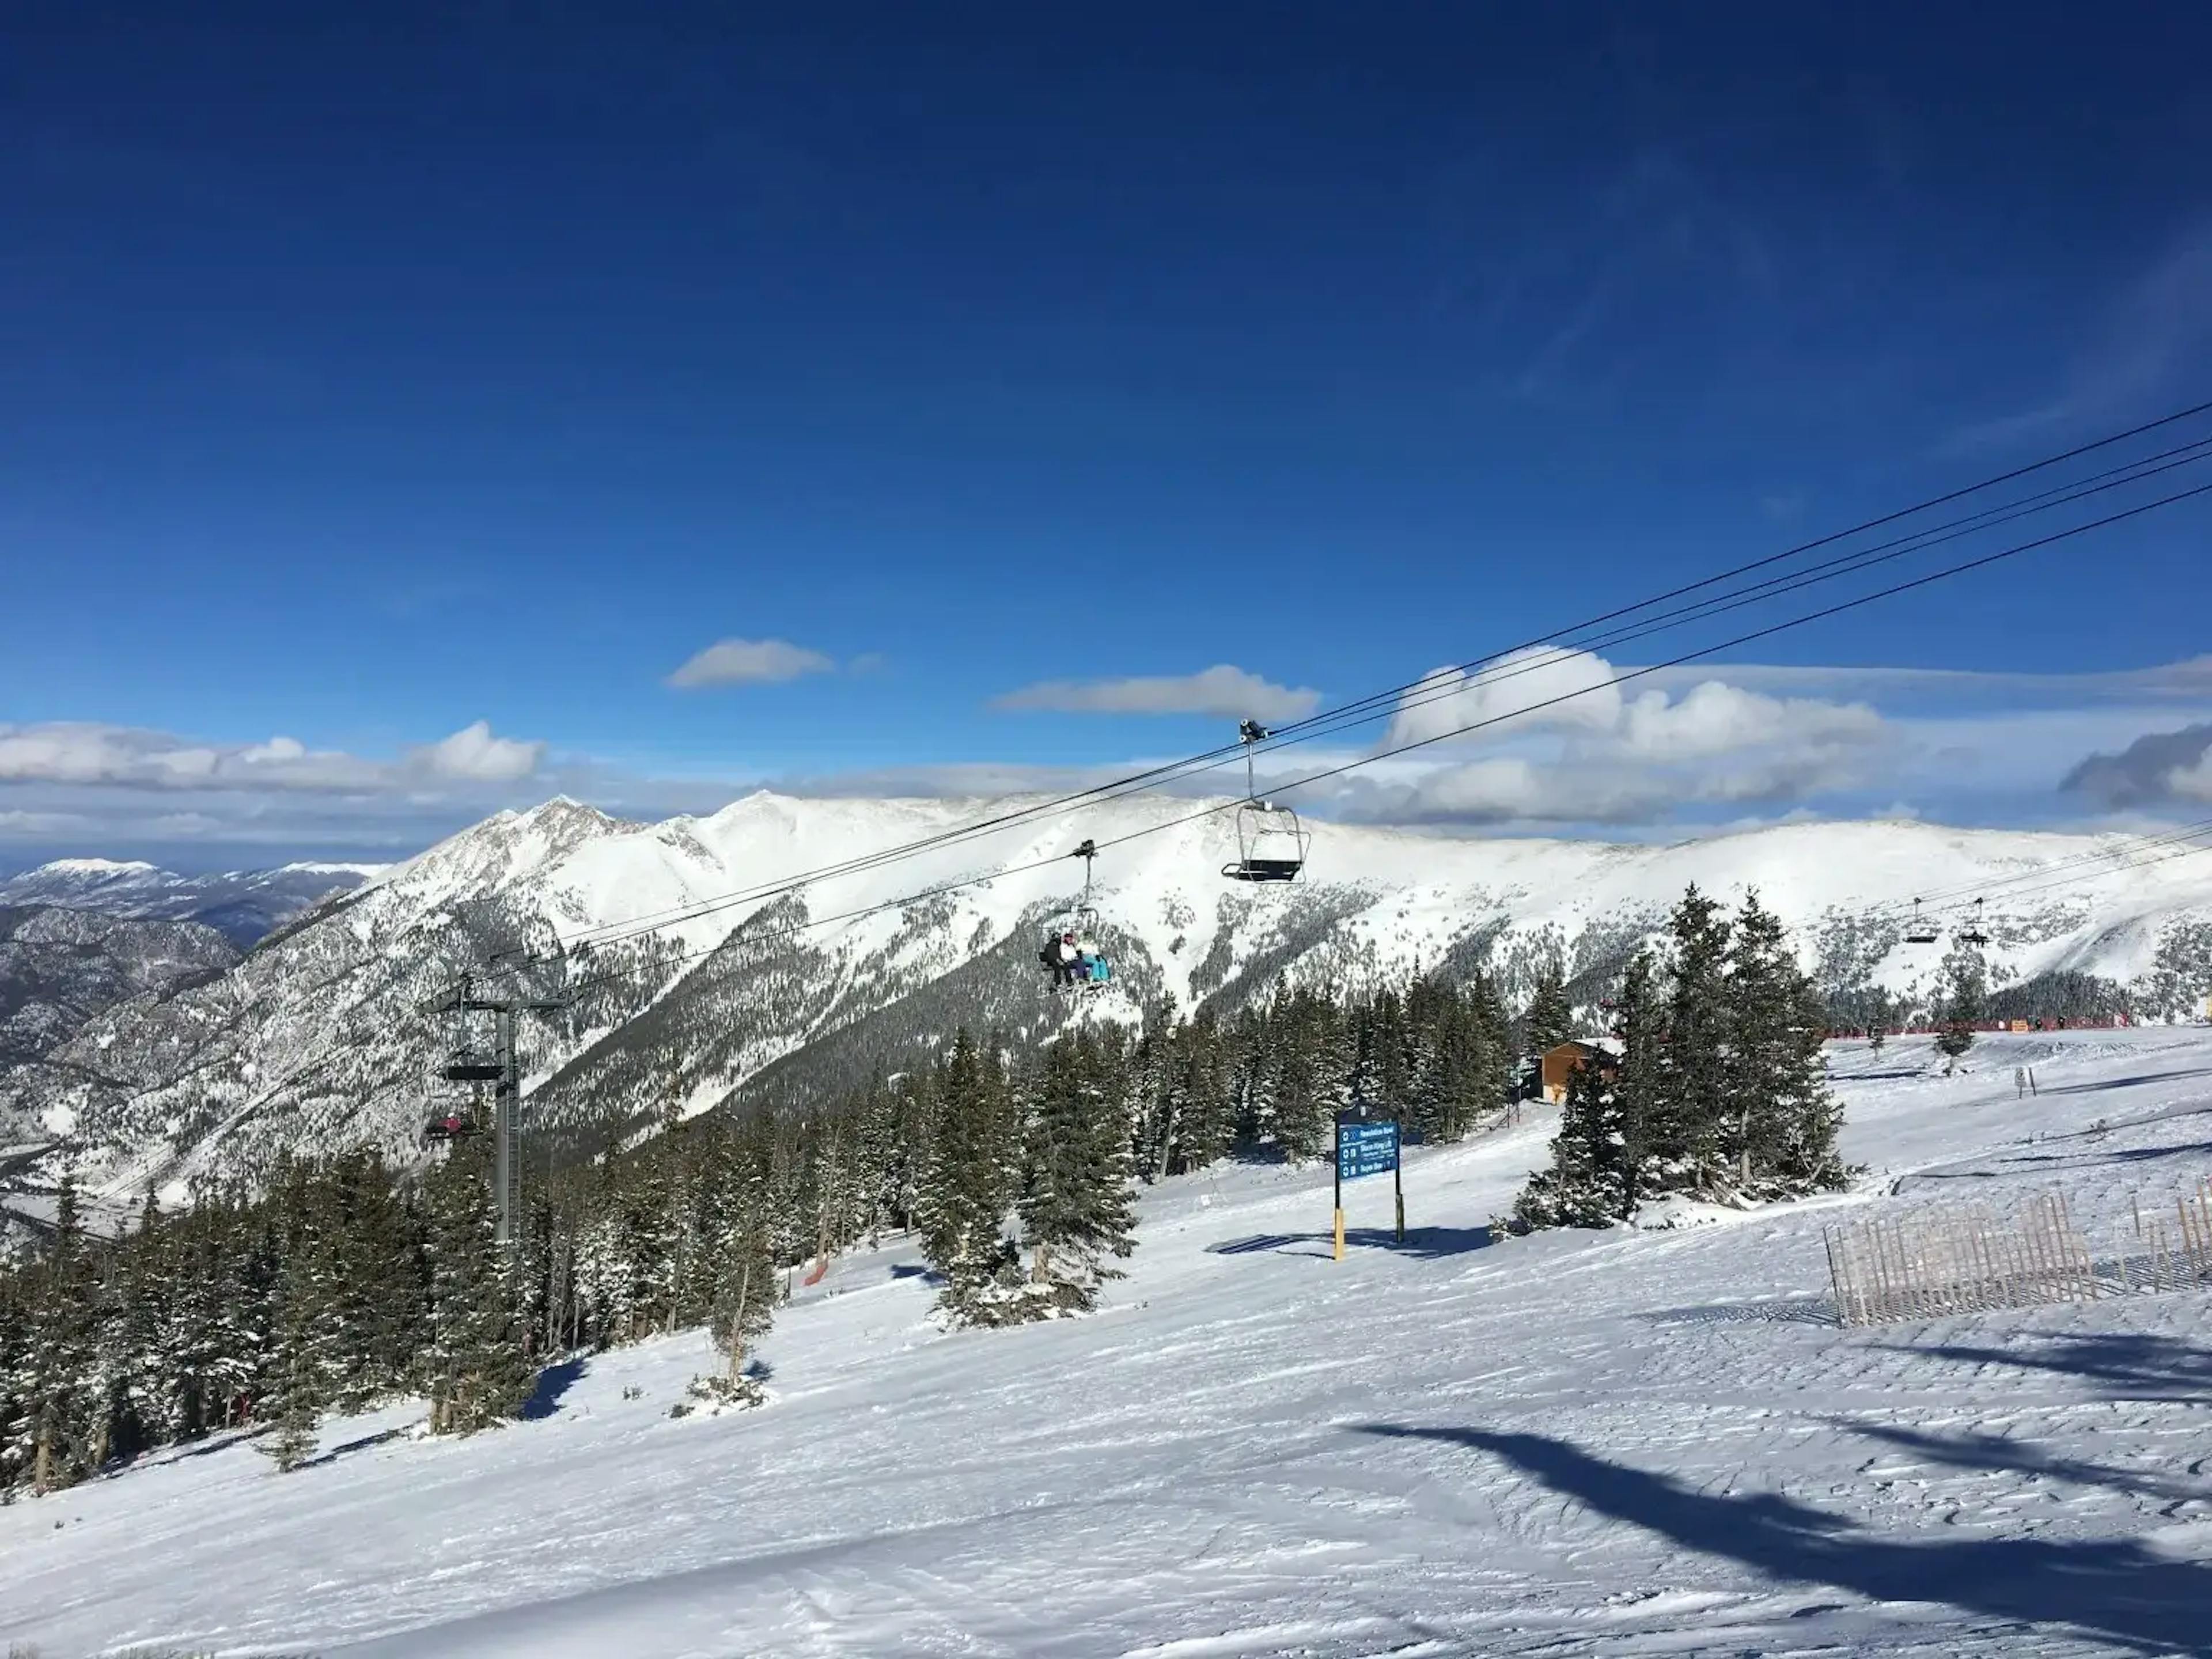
(1970, 1262)
(2175, 1256)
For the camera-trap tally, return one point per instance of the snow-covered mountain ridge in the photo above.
(242, 905)
(321, 1037)
(60, 966)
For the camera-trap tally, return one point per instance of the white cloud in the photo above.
(279, 748)
(67, 752)
(749, 662)
(474, 754)
(85, 754)
(1228, 692)
(16, 822)
(1510, 789)
(1718, 719)
(1565, 745)
(1543, 687)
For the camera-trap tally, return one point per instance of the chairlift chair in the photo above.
(1271, 843)
(448, 1124)
(1919, 930)
(1972, 933)
(471, 1060)
(1077, 924)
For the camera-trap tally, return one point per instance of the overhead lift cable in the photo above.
(1576, 640)
(1982, 562)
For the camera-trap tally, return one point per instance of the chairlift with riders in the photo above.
(1072, 958)
(1271, 843)
(457, 1080)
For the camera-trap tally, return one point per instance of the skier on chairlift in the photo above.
(1062, 959)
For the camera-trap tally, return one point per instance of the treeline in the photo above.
(1713, 1086)
(346, 1281)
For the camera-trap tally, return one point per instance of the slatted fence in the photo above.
(1969, 1261)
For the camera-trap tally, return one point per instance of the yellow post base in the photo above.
(1340, 1233)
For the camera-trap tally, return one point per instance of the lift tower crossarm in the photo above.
(507, 1095)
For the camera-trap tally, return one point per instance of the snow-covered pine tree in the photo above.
(479, 1372)
(1550, 1019)
(1780, 1122)
(62, 1358)
(294, 1387)
(1202, 1084)
(969, 1187)
(1587, 1185)
(1683, 1119)
(1305, 1076)
(1639, 1023)
(1074, 1206)
(1962, 997)
(740, 1278)
(19, 1401)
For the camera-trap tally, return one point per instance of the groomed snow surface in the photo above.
(1622, 1443)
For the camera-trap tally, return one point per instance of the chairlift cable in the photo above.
(1337, 719)
(1433, 687)
(1981, 562)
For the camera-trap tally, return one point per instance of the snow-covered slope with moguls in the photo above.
(691, 972)
(1616, 1445)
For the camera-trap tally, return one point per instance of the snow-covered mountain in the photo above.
(323, 1035)
(243, 905)
(59, 967)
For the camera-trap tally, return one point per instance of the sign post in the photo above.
(1367, 1147)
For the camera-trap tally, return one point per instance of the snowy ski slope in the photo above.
(1613, 1445)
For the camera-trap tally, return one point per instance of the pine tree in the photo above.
(1684, 1115)
(1074, 1208)
(1963, 997)
(1639, 1016)
(969, 1187)
(293, 1392)
(1550, 1019)
(1588, 1184)
(1780, 1122)
(739, 1267)
(479, 1372)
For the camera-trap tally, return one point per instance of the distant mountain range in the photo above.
(690, 995)
(59, 967)
(242, 905)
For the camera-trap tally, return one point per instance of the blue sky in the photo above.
(368, 374)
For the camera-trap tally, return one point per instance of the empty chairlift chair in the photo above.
(1919, 931)
(1271, 843)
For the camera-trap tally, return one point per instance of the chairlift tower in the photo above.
(502, 1069)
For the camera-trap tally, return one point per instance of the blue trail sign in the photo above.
(1365, 1149)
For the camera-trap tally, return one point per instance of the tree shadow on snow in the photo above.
(2115, 1589)
(382, 1436)
(2102, 1084)
(553, 1381)
(1423, 1243)
(1782, 1310)
(2014, 1164)
(1972, 1450)
(2138, 1365)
